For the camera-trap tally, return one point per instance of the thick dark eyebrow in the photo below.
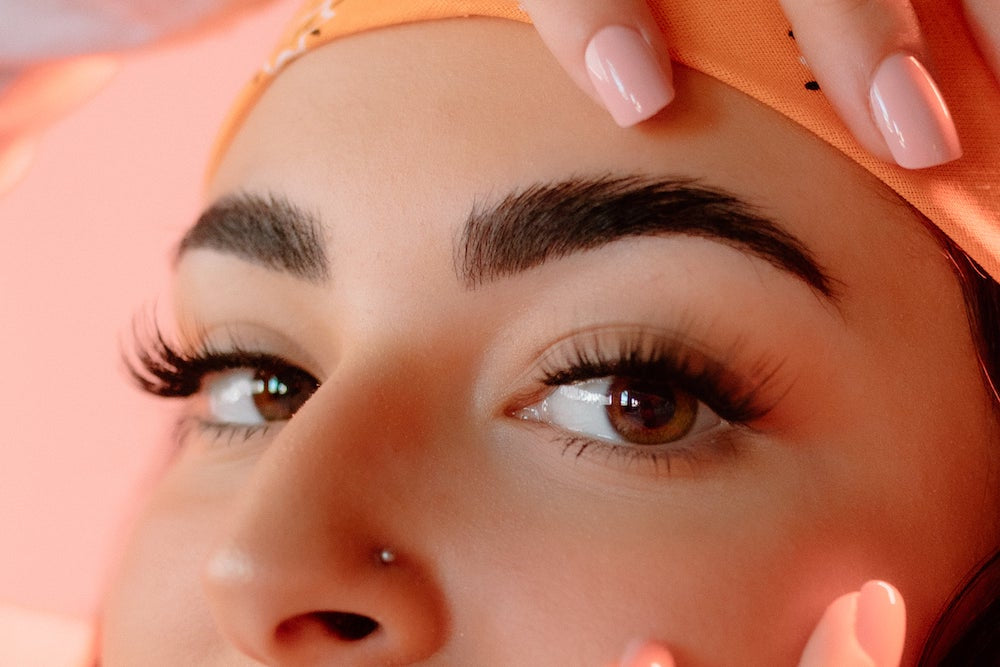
(552, 220)
(269, 231)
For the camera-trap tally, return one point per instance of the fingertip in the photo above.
(833, 640)
(625, 71)
(983, 20)
(880, 626)
(612, 49)
(642, 653)
(911, 114)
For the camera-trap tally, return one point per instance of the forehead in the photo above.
(394, 135)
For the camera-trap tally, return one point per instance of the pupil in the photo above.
(648, 412)
(648, 409)
(278, 397)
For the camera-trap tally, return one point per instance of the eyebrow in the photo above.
(550, 221)
(543, 222)
(268, 231)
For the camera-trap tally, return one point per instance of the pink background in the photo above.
(84, 241)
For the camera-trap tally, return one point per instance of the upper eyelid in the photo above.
(171, 370)
(739, 371)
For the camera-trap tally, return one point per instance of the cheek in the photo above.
(705, 565)
(734, 570)
(156, 608)
(708, 589)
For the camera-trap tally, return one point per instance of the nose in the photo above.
(325, 561)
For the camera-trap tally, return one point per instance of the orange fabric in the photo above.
(746, 44)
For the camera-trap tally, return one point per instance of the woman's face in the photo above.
(700, 432)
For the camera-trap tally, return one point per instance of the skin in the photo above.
(874, 462)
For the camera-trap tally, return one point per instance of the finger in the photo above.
(881, 623)
(646, 654)
(612, 49)
(983, 17)
(15, 158)
(833, 641)
(870, 60)
(861, 629)
(46, 92)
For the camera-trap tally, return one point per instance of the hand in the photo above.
(37, 97)
(865, 628)
(45, 71)
(857, 50)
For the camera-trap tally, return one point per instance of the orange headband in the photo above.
(747, 45)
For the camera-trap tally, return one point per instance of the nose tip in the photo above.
(327, 556)
(362, 611)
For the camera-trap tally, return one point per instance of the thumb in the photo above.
(870, 60)
(612, 49)
(861, 629)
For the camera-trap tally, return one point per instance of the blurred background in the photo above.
(84, 244)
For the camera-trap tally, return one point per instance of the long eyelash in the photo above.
(161, 369)
(643, 356)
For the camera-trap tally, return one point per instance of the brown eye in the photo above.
(648, 412)
(278, 394)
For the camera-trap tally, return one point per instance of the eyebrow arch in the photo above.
(553, 220)
(269, 231)
(526, 228)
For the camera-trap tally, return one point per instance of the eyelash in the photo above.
(644, 355)
(161, 369)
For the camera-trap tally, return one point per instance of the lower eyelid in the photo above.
(694, 459)
(699, 456)
(192, 429)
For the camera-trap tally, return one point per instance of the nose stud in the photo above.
(386, 556)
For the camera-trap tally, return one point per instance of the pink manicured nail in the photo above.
(880, 624)
(627, 75)
(641, 653)
(912, 115)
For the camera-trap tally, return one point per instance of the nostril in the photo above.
(346, 625)
(341, 624)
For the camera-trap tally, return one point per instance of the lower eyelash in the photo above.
(233, 433)
(227, 434)
(662, 460)
(577, 445)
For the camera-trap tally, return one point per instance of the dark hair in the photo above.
(967, 631)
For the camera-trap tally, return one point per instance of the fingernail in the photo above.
(627, 75)
(641, 653)
(912, 115)
(880, 624)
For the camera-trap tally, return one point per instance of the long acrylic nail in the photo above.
(880, 624)
(627, 75)
(912, 115)
(640, 653)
